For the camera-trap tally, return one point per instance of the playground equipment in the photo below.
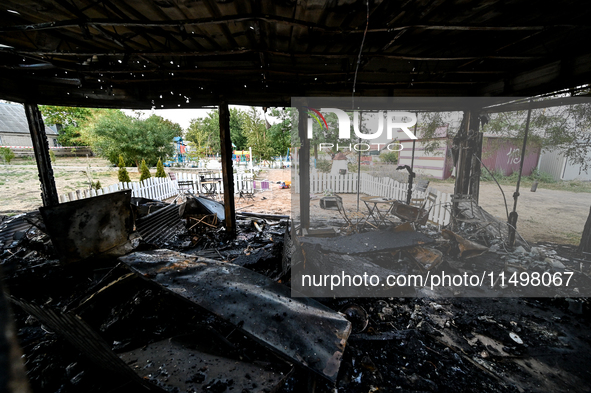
(180, 149)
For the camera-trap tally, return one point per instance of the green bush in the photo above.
(7, 154)
(542, 177)
(160, 169)
(324, 166)
(52, 156)
(123, 176)
(485, 176)
(389, 157)
(145, 171)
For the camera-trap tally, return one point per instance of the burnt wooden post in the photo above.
(41, 149)
(227, 171)
(476, 168)
(585, 244)
(412, 165)
(463, 161)
(304, 169)
(462, 156)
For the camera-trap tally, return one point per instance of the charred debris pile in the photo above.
(114, 294)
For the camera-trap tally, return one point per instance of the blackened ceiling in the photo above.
(193, 53)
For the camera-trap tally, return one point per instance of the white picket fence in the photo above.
(376, 186)
(161, 188)
(154, 188)
(164, 188)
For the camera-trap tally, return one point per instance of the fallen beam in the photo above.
(263, 215)
(300, 329)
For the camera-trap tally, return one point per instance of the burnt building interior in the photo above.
(115, 293)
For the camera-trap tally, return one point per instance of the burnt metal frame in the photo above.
(41, 148)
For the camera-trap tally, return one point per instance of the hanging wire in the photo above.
(359, 57)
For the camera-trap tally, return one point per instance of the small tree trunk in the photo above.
(585, 245)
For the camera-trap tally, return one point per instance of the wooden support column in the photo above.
(476, 167)
(227, 171)
(41, 149)
(464, 160)
(585, 244)
(304, 168)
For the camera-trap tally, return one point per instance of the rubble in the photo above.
(159, 227)
(467, 248)
(212, 313)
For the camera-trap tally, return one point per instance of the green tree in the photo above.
(236, 131)
(145, 171)
(123, 175)
(160, 169)
(280, 133)
(389, 157)
(256, 133)
(427, 125)
(320, 134)
(204, 133)
(7, 154)
(136, 139)
(69, 122)
(199, 138)
(324, 165)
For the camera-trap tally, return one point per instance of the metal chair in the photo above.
(209, 186)
(355, 220)
(182, 186)
(418, 210)
(246, 192)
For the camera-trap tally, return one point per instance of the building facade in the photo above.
(14, 127)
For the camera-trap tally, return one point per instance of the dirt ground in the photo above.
(20, 189)
(544, 215)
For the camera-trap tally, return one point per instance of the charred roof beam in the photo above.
(269, 52)
(270, 19)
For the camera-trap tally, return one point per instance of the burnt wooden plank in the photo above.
(227, 172)
(41, 148)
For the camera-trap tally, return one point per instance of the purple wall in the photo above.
(500, 154)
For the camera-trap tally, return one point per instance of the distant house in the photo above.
(14, 127)
(561, 168)
(503, 154)
(499, 154)
(437, 164)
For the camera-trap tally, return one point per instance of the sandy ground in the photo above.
(20, 190)
(544, 215)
